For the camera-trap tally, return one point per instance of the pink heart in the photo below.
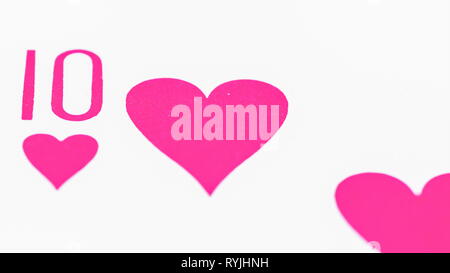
(385, 211)
(150, 103)
(59, 160)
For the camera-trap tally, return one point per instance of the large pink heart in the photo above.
(384, 210)
(150, 103)
(59, 160)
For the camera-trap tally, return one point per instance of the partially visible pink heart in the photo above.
(59, 160)
(384, 210)
(149, 105)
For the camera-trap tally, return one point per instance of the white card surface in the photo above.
(368, 90)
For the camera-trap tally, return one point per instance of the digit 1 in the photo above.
(28, 86)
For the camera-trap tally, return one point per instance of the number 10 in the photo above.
(58, 87)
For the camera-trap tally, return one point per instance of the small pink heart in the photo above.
(59, 160)
(386, 212)
(150, 105)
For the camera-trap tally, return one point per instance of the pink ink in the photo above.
(58, 160)
(58, 87)
(28, 86)
(161, 110)
(384, 210)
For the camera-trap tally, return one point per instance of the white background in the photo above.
(368, 89)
